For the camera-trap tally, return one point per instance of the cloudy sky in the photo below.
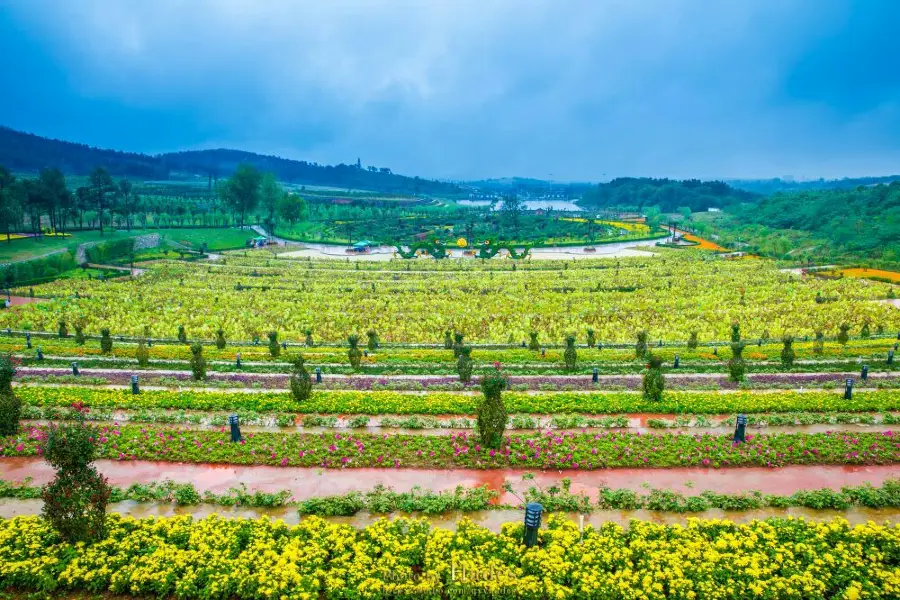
(558, 89)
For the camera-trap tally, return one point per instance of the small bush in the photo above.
(533, 343)
(640, 348)
(735, 332)
(844, 334)
(864, 332)
(79, 334)
(692, 342)
(736, 365)
(63, 330)
(309, 338)
(10, 405)
(819, 343)
(182, 334)
(448, 340)
(570, 355)
(372, 343)
(653, 381)
(591, 339)
(457, 344)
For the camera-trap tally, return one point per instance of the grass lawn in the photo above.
(217, 239)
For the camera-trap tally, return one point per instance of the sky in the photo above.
(566, 90)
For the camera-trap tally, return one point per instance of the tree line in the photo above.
(28, 204)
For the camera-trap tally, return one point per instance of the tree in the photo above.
(10, 405)
(301, 382)
(653, 381)
(10, 202)
(102, 189)
(242, 190)
(128, 202)
(512, 208)
(292, 208)
(270, 194)
(75, 501)
(491, 412)
(54, 197)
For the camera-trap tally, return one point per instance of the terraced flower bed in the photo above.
(438, 403)
(535, 451)
(217, 557)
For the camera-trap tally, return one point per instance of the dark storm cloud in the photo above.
(471, 88)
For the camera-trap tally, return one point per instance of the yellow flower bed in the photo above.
(223, 558)
(867, 273)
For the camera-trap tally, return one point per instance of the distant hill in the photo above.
(771, 186)
(667, 194)
(26, 152)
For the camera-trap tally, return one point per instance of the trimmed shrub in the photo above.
(220, 339)
(819, 343)
(457, 344)
(864, 332)
(10, 405)
(653, 381)
(787, 353)
(448, 340)
(692, 342)
(274, 346)
(591, 339)
(142, 354)
(533, 343)
(735, 332)
(736, 365)
(570, 355)
(182, 334)
(198, 363)
(464, 364)
(492, 415)
(105, 341)
(79, 334)
(309, 338)
(372, 343)
(301, 382)
(844, 334)
(354, 354)
(640, 348)
(63, 330)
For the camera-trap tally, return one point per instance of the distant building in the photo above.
(713, 209)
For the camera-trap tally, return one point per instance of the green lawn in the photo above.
(217, 239)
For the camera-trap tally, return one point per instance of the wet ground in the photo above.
(491, 519)
(309, 482)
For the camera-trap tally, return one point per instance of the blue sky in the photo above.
(558, 89)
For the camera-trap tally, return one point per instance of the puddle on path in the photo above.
(491, 519)
(309, 482)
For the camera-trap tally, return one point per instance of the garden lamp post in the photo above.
(318, 375)
(740, 429)
(890, 358)
(234, 423)
(40, 355)
(28, 340)
(848, 389)
(533, 512)
(237, 360)
(134, 385)
(677, 362)
(864, 374)
(596, 375)
(75, 369)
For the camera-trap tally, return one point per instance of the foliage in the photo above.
(736, 364)
(220, 339)
(79, 334)
(492, 415)
(692, 342)
(533, 343)
(301, 382)
(570, 354)
(274, 346)
(787, 353)
(106, 342)
(448, 340)
(464, 364)
(182, 334)
(819, 343)
(653, 381)
(353, 353)
(142, 354)
(591, 340)
(10, 404)
(735, 332)
(640, 348)
(843, 337)
(372, 343)
(198, 363)
(63, 330)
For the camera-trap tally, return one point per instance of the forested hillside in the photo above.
(823, 225)
(24, 152)
(666, 194)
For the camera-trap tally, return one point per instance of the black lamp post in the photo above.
(596, 376)
(75, 369)
(235, 428)
(134, 385)
(740, 429)
(318, 375)
(533, 512)
(848, 389)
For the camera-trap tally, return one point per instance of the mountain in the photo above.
(25, 152)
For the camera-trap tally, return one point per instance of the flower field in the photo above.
(670, 296)
(221, 558)
(406, 413)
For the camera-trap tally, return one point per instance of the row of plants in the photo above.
(479, 450)
(447, 403)
(779, 419)
(535, 352)
(404, 558)
(568, 383)
(385, 500)
(672, 296)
